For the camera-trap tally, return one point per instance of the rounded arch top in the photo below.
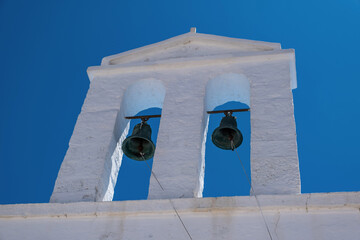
(225, 88)
(143, 94)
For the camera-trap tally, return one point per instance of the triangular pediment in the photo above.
(190, 45)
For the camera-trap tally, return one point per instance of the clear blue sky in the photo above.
(46, 46)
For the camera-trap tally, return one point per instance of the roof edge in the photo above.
(189, 36)
(108, 70)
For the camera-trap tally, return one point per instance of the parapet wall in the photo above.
(306, 216)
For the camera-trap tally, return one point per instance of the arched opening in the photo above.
(144, 97)
(223, 172)
(224, 175)
(134, 176)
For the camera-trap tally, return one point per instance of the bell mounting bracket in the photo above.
(226, 112)
(144, 118)
(229, 112)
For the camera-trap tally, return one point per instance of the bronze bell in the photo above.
(227, 136)
(139, 145)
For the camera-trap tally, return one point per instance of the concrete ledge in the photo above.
(302, 202)
(108, 70)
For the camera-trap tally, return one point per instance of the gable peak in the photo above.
(189, 45)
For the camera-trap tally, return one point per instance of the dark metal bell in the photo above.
(227, 132)
(139, 145)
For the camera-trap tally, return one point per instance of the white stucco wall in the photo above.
(330, 216)
(185, 87)
(225, 88)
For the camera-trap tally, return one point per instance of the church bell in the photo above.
(227, 136)
(139, 145)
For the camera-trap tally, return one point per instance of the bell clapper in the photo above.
(141, 148)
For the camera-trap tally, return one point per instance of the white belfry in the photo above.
(185, 76)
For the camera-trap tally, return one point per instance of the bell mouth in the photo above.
(223, 138)
(138, 148)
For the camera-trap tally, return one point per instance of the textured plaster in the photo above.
(329, 216)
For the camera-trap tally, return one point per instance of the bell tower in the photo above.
(187, 76)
